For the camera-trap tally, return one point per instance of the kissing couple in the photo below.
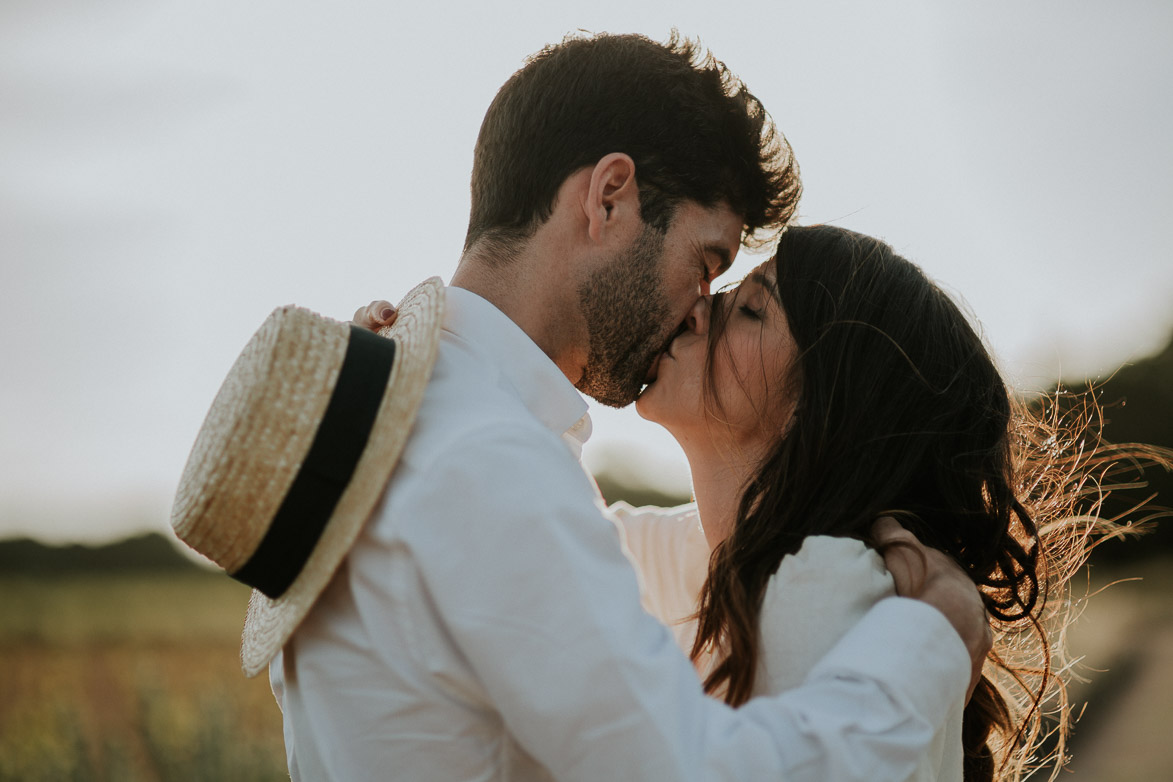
(441, 592)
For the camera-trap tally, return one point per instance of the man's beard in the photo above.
(626, 314)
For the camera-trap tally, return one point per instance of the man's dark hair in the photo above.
(693, 129)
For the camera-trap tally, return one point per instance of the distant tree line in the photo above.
(1136, 404)
(151, 552)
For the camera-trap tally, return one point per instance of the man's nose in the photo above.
(698, 317)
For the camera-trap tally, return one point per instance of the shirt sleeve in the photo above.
(531, 583)
(812, 600)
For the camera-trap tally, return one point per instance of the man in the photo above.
(486, 624)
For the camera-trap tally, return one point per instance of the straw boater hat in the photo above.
(295, 452)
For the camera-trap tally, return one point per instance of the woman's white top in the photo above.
(816, 596)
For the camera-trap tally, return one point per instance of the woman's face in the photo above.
(750, 363)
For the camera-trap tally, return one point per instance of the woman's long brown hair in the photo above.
(900, 410)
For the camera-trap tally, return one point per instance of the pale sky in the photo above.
(170, 172)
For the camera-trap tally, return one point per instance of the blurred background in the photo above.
(174, 171)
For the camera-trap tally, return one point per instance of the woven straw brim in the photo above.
(260, 429)
(270, 623)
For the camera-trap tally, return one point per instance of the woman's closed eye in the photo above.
(749, 311)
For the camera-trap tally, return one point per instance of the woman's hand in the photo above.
(375, 315)
(929, 575)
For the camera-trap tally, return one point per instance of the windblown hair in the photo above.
(900, 410)
(692, 128)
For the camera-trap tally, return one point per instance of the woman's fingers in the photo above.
(904, 556)
(929, 575)
(376, 315)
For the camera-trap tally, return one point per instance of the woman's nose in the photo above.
(698, 317)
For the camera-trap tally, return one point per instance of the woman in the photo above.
(836, 385)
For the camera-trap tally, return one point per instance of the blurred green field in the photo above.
(135, 677)
(131, 678)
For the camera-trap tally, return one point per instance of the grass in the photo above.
(131, 678)
(136, 678)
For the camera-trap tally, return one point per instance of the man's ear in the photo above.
(611, 201)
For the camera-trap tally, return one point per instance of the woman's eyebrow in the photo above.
(762, 280)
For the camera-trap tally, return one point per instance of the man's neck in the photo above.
(519, 287)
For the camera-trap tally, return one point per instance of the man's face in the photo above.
(634, 305)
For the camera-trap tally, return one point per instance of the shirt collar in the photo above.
(537, 380)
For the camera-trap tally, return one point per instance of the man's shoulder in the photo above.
(466, 403)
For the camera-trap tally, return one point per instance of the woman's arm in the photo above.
(815, 598)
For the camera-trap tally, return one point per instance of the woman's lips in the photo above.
(654, 369)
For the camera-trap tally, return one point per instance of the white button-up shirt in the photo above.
(816, 596)
(487, 625)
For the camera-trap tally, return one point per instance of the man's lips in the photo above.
(654, 369)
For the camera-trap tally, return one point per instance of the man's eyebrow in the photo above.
(723, 254)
